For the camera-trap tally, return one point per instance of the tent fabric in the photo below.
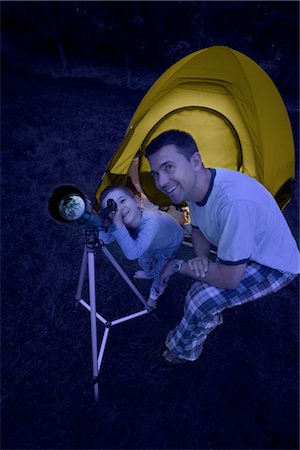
(232, 109)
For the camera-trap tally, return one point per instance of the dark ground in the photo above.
(241, 393)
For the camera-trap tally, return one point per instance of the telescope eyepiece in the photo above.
(111, 204)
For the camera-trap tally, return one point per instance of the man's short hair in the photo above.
(112, 188)
(183, 141)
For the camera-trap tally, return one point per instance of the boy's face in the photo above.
(127, 207)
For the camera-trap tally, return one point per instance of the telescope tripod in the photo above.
(91, 244)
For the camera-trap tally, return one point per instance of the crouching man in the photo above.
(256, 251)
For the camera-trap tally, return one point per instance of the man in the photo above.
(256, 252)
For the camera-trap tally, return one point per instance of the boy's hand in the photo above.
(107, 222)
(167, 271)
(117, 218)
(199, 265)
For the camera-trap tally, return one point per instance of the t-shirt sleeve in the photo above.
(237, 223)
(134, 248)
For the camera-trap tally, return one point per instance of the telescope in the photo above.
(68, 204)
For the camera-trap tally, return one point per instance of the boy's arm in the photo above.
(106, 237)
(134, 248)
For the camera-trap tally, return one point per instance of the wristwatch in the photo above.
(178, 265)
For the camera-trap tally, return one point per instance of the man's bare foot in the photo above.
(140, 275)
(173, 358)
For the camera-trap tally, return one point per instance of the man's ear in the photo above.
(138, 200)
(196, 161)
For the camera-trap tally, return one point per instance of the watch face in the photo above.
(178, 265)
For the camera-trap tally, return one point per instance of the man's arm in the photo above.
(222, 276)
(200, 268)
(200, 243)
(217, 274)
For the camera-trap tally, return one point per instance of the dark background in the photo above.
(73, 74)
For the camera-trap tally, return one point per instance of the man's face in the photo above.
(174, 174)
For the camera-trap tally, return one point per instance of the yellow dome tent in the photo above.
(232, 109)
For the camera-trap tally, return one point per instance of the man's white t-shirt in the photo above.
(242, 219)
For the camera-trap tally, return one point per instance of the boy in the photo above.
(155, 236)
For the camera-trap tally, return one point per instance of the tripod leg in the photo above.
(102, 348)
(124, 275)
(82, 275)
(92, 294)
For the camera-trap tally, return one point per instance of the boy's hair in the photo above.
(183, 141)
(115, 187)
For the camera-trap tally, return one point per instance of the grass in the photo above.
(243, 391)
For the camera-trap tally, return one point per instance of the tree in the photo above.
(34, 23)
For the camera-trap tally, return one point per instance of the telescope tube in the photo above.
(68, 204)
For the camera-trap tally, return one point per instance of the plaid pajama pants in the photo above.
(204, 304)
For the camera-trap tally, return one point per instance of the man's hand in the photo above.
(199, 266)
(167, 271)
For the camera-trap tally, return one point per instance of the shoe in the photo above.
(140, 275)
(156, 292)
(173, 358)
(152, 302)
